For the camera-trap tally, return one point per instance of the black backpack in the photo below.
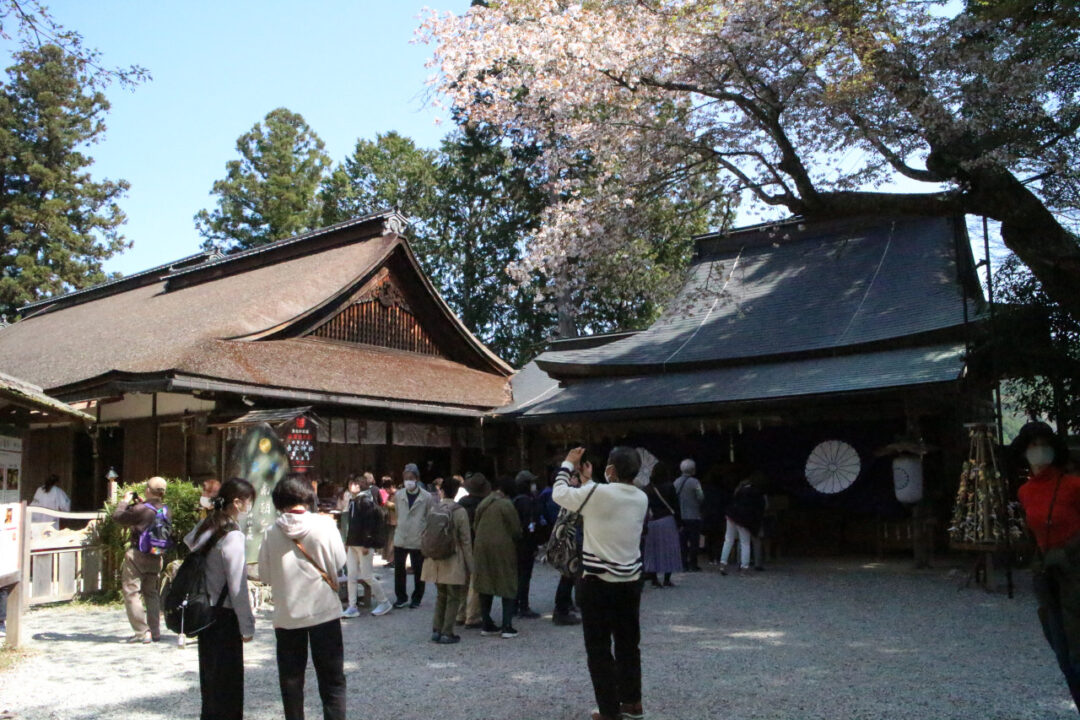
(188, 606)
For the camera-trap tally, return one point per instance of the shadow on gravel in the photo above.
(79, 637)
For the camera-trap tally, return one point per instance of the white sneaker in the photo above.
(351, 612)
(382, 608)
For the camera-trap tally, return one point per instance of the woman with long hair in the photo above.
(662, 555)
(221, 649)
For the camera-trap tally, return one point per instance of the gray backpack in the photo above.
(437, 541)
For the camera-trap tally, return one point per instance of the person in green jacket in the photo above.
(495, 557)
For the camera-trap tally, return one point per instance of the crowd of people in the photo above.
(476, 540)
(473, 538)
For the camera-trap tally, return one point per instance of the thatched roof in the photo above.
(240, 320)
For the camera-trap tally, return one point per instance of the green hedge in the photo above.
(182, 499)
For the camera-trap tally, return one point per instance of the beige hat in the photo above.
(156, 486)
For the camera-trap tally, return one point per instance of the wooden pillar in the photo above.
(390, 448)
(19, 598)
(522, 456)
(98, 472)
(455, 452)
(157, 433)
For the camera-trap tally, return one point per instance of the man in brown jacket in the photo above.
(140, 575)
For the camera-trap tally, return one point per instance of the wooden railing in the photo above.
(63, 563)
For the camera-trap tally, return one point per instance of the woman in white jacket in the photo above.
(299, 559)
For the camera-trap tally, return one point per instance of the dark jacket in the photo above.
(747, 507)
(138, 517)
(470, 503)
(657, 509)
(497, 532)
(367, 525)
(529, 515)
(715, 505)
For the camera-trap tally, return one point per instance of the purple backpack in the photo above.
(157, 537)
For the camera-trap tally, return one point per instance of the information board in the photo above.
(10, 533)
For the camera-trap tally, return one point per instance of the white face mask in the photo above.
(206, 502)
(532, 488)
(1039, 455)
(410, 486)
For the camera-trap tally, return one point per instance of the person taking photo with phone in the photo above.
(610, 595)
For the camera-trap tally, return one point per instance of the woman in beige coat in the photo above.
(497, 531)
(450, 575)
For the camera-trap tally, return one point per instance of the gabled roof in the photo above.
(777, 313)
(27, 402)
(240, 316)
(793, 288)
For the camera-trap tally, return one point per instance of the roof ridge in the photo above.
(116, 282)
(225, 258)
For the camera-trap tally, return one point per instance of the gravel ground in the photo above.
(803, 640)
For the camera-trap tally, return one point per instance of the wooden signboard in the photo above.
(300, 444)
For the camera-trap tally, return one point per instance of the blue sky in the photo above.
(349, 68)
(218, 68)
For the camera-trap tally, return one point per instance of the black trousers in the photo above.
(509, 607)
(526, 559)
(1059, 612)
(400, 588)
(221, 668)
(691, 538)
(610, 615)
(328, 654)
(564, 599)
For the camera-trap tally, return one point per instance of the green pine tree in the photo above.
(57, 224)
(271, 191)
(389, 173)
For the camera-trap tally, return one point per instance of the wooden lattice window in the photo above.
(380, 317)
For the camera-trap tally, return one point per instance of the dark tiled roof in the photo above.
(529, 385)
(780, 290)
(753, 382)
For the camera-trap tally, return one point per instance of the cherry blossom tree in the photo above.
(821, 108)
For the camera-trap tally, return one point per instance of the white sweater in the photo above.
(301, 597)
(613, 520)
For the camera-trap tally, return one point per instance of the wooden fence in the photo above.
(63, 563)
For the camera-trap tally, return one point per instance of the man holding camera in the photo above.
(140, 575)
(613, 515)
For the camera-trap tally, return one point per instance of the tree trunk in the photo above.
(564, 307)
(1031, 231)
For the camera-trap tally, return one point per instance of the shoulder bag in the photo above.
(563, 551)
